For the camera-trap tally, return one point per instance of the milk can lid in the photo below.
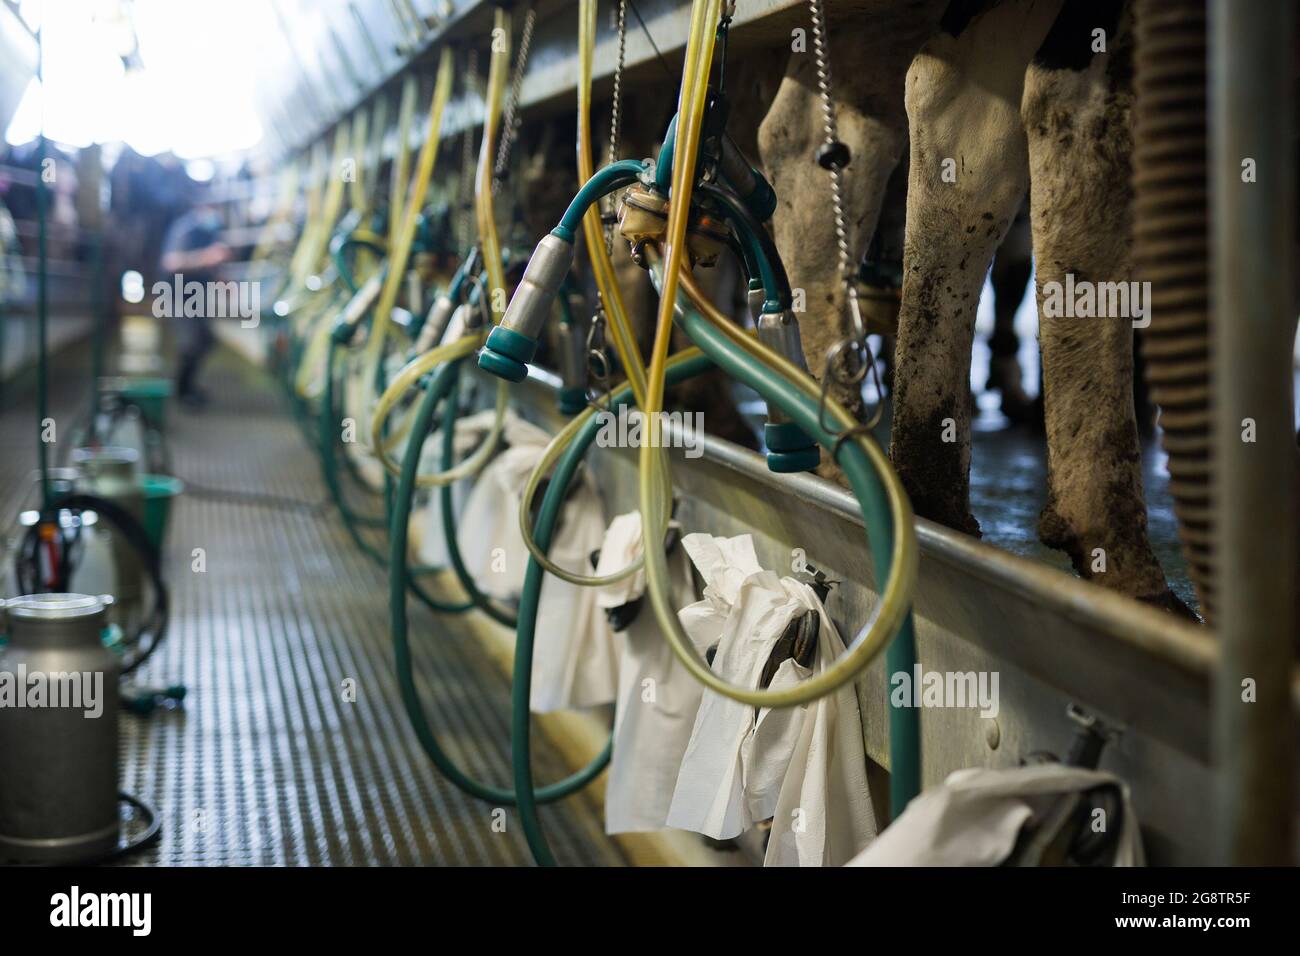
(55, 607)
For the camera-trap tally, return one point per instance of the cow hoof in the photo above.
(962, 521)
(1006, 378)
(1021, 409)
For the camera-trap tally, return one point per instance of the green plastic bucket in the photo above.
(149, 395)
(159, 490)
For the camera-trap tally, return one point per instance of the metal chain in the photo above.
(511, 121)
(830, 130)
(598, 361)
(854, 350)
(616, 119)
(724, 35)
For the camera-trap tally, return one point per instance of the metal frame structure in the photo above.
(1252, 107)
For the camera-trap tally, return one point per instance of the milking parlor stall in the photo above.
(787, 433)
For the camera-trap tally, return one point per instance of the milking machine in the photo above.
(724, 215)
(326, 332)
(459, 319)
(698, 197)
(326, 336)
(667, 230)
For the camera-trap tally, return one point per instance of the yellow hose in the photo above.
(280, 214)
(485, 215)
(655, 481)
(314, 187)
(356, 186)
(411, 373)
(312, 358)
(379, 121)
(889, 613)
(402, 159)
(544, 467)
(484, 208)
(400, 251)
(602, 269)
(328, 195)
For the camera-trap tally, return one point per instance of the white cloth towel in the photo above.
(804, 767)
(575, 662)
(657, 696)
(488, 533)
(427, 534)
(975, 816)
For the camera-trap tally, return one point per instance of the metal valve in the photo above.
(643, 217)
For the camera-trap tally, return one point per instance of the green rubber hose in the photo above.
(543, 530)
(615, 176)
(492, 608)
(445, 384)
(900, 656)
(329, 464)
(904, 726)
(351, 520)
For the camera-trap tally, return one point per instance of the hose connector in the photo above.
(789, 447)
(358, 307)
(435, 323)
(513, 343)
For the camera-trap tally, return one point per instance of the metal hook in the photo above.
(851, 374)
(598, 365)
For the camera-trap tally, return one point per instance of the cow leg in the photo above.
(967, 176)
(1076, 113)
(1012, 266)
(868, 64)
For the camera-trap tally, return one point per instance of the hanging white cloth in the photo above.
(804, 766)
(429, 542)
(488, 533)
(975, 817)
(657, 696)
(575, 663)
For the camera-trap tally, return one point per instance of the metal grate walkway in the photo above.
(267, 764)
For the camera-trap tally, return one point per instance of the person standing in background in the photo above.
(194, 250)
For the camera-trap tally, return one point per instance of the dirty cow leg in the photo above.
(1012, 266)
(1076, 112)
(966, 180)
(868, 60)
